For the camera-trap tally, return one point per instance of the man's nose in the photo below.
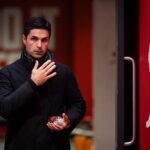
(39, 44)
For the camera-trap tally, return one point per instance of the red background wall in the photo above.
(144, 73)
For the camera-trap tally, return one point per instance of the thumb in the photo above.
(64, 116)
(66, 120)
(36, 65)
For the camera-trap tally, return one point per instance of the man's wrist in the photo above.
(33, 84)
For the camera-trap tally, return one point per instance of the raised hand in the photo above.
(40, 75)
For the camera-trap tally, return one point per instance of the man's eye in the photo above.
(34, 39)
(45, 40)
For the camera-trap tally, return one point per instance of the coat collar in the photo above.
(29, 61)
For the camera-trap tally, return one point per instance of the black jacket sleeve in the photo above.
(76, 105)
(10, 99)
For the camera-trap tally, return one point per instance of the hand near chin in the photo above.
(58, 123)
(40, 75)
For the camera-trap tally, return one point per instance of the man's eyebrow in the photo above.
(34, 36)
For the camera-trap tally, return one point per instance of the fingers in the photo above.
(57, 127)
(45, 64)
(65, 116)
(51, 75)
(36, 64)
(49, 66)
(66, 120)
(53, 127)
(41, 74)
(49, 69)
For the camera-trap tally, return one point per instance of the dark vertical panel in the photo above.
(131, 49)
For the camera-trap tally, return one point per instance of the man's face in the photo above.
(36, 42)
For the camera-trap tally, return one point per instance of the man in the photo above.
(34, 90)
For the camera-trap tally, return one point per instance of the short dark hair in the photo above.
(36, 23)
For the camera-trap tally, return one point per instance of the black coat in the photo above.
(28, 107)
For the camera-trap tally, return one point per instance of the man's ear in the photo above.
(24, 39)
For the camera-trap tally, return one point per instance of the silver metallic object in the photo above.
(58, 121)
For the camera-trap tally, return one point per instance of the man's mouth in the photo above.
(37, 50)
